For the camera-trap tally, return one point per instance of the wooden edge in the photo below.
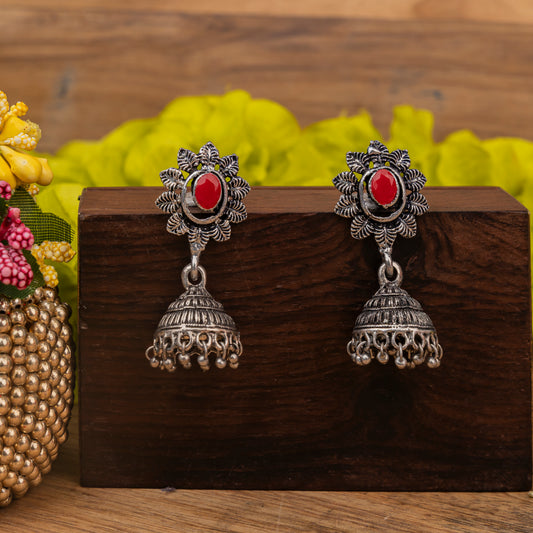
(109, 201)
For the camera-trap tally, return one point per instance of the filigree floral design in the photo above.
(204, 195)
(386, 199)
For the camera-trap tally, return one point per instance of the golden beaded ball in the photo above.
(36, 388)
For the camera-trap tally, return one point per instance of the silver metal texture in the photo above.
(196, 325)
(187, 216)
(392, 325)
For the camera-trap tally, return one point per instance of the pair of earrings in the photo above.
(204, 196)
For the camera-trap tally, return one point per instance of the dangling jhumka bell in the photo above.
(202, 205)
(384, 202)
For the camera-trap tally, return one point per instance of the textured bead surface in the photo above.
(36, 389)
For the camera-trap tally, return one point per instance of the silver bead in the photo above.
(433, 363)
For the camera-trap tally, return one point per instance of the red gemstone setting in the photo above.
(384, 187)
(207, 191)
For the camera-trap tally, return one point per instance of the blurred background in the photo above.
(84, 67)
(118, 86)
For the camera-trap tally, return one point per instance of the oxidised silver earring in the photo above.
(384, 202)
(204, 195)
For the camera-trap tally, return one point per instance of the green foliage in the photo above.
(3, 208)
(44, 226)
(274, 150)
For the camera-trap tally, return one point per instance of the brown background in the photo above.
(54, 56)
(298, 414)
(85, 67)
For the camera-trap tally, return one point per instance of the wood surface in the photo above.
(60, 505)
(298, 414)
(515, 11)
(85, 68)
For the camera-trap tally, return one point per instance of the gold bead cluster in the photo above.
(33, 189)
(36, 388)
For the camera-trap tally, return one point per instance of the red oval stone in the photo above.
(384, 187)
(207, 191)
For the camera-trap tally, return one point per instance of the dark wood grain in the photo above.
(60, 505)
(83, 70)
(298, 414)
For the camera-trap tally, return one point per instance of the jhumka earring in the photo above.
(204, 196)
(384, 202)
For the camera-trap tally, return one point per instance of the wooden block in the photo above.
(297, 413)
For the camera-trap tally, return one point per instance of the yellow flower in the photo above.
(17, 167)
(60, 252)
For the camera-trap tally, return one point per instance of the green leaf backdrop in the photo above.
(273, 150)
